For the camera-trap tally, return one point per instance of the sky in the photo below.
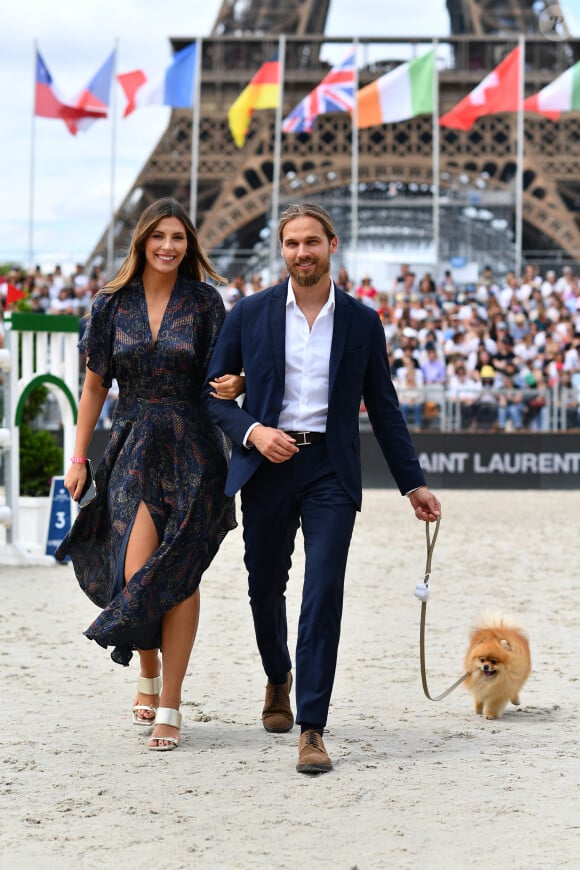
(57, 190)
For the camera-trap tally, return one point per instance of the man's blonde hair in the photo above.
(307, 209)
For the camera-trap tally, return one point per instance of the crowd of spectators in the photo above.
(504, 353)
(501, 354)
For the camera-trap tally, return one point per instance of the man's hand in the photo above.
(425, 505)
(274, 444)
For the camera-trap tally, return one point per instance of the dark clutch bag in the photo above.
(89, 489)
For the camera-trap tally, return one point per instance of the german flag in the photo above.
(263, 92)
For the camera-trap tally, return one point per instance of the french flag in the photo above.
(175, 89)
(96, 97)
(49, 104)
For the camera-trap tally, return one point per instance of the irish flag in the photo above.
(561, 95)
(400, 94)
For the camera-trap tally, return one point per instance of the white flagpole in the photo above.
(110, 266)
(436, 162)
(195, 122)
(32, 166)
(277, 158)
(520, 162)
(354, 161)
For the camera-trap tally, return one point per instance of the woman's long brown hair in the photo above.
(196, 264)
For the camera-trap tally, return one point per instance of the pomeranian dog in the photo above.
(498, 663)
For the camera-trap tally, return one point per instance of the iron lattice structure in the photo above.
(395, 161)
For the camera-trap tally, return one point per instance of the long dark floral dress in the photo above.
(164, 451)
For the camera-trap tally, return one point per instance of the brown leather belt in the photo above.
(303, 439)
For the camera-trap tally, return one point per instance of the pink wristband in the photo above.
(80, 460)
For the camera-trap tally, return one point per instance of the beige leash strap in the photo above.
(422, 593)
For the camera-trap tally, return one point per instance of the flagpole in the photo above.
(436, 161)
(110, 266)
(195, 124)
(520, 161)
(354, 164)
(277, 157)
(32, 166)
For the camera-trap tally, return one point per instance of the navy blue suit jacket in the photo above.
(252, 339)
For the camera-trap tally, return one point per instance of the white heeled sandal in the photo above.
(166, 716)
(146, 686)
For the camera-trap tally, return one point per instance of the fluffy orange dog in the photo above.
(498, 663)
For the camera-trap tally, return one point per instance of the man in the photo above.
(309, 354)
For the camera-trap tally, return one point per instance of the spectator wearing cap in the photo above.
(487, 277)
(486, 406)
(504, 353)
(519, 326)
(499, 330)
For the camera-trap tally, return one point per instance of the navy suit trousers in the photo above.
(276, 501)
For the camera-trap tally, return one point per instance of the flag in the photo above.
(498, 92)
(335, 93)
(561, 95)
(96, 97)
(400, 94)
(13, 294)
(263, 92)
(48, 103)
(175, 88)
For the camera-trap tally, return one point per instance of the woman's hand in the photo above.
(75, 479)
(228, 386)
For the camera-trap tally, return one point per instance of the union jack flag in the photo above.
(335, 93)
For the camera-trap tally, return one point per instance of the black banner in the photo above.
(542, 460)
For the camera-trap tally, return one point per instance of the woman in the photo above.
(140, 548)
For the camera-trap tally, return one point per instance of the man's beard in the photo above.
(321, 268)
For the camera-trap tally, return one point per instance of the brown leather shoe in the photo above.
(277, 716)
(312, 755)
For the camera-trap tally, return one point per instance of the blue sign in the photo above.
(60, 519)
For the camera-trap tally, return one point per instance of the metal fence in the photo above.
(431, 407)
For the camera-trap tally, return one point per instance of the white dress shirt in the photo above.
(305, 402)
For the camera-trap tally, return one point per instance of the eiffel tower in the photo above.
(477, 168)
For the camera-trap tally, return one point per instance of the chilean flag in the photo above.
(175, 89)
(48, 103)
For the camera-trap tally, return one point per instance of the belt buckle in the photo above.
(304, 442)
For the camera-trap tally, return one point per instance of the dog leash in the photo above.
(422, 593)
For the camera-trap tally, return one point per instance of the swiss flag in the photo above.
(498, 92)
